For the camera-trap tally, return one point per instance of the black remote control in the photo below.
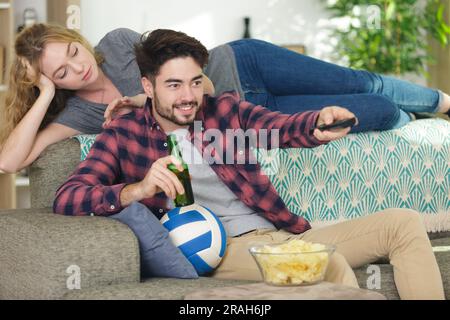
(338, 124)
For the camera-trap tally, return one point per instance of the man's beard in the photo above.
(169, 114)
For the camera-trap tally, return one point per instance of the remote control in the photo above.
(339, 124)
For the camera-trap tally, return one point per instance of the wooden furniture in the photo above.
(56, 13)
(6, 39)
(7, 191)
(2, 62)
(7, 181)
(440, 69)
(299, 48)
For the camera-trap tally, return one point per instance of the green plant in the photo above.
(389, 36)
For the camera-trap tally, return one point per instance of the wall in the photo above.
(20, 5)
(213, 22)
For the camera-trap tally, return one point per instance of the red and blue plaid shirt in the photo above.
(124, 152)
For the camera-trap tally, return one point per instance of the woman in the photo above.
(61, 87)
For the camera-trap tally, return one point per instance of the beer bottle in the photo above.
(187, 198)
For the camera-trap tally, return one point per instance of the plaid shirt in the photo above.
(124, 152)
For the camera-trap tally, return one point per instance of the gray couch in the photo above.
(41, 253)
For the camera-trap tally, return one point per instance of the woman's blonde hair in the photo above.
(22, 91)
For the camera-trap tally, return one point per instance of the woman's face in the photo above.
(69, 65)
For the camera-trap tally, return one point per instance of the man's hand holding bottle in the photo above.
(160, 179)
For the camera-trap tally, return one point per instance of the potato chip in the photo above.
(295, 262)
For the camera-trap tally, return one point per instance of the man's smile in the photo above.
(186, 109)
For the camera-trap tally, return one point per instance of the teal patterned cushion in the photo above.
(86, 142)
(364, 173)
(368, 172)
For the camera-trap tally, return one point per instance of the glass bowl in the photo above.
(293, 263)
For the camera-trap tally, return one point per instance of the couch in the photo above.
(42, 254)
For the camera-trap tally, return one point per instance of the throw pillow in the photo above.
(86, 141)
(159, 256)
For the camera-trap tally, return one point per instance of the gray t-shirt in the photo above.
(121, 67)
(222, 70)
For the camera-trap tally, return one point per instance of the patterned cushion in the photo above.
(86, 142)
(368, 172)
(364, 173)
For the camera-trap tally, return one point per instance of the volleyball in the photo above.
(199, 234)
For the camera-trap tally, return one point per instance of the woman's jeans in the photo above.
(285, 81)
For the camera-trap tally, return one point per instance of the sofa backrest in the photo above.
(50, 171)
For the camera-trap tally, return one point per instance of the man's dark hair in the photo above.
(162, 45)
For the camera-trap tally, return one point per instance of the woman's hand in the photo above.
(123, 106)
(45, 85)
(208, 86)
(328, 116)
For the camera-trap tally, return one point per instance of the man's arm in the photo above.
(130, 194)
(90, 189)
(294, 131)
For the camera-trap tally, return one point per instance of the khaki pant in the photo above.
(397, 234)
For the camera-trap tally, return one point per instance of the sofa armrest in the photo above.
(51, 169)
(41, 253)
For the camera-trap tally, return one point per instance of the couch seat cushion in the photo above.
(442, 251)
(152, 289)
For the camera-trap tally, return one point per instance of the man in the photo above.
(128, 163)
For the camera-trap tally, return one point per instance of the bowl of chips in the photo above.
(292, 263)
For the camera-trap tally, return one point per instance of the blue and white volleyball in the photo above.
(199, 234)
